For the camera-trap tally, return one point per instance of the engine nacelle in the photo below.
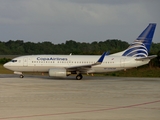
(57, 72)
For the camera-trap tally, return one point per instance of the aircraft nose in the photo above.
(6, 65)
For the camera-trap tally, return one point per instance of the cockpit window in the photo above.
(13, 60)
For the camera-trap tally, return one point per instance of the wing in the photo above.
(84, 68)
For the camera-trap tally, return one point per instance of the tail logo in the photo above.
(137, 49)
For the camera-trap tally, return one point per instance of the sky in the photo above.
(79, 20)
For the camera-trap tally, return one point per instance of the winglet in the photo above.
(107, 53)
(100, 60)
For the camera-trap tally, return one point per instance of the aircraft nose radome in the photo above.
(6, 65)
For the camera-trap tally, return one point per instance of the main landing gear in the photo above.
(79, 77)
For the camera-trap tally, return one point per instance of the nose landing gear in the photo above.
(21, 76)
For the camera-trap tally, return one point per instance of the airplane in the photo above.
(64, 65)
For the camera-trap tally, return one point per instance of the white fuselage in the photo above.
(42, 63)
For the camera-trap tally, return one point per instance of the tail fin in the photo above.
(141, 46)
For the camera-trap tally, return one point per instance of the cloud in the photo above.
(52, 11)
(82, 20)
(104, 2)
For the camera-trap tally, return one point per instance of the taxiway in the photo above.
(93, 98)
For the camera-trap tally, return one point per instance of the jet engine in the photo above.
(58, 72)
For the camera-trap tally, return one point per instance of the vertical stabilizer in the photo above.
(141, 46)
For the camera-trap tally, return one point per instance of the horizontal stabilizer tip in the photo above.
(146, 58)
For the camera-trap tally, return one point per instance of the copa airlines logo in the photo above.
(51, 58)
(137, 49)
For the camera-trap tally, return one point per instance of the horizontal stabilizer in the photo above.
(146, 58)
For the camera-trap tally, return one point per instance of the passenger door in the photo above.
(25, 62)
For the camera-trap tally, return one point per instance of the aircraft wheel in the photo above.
(79, 77)
(21, 76)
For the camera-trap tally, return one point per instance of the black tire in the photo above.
(21, 76)
(79, 77)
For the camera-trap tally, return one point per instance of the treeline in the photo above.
(4, 60)
(19, 47)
